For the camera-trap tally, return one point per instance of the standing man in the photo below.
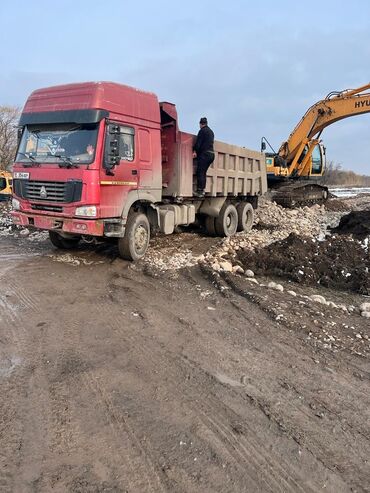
(204, 153)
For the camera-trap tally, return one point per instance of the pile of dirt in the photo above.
(339, 262)
(337, 205)
(356, 223)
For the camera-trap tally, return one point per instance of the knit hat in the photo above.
(203, 121)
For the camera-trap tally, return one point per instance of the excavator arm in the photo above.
(336, 106)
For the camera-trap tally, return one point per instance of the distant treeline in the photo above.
(335, 175)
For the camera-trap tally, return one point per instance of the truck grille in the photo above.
(49, 191)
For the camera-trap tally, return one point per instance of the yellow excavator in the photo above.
(291, 172)
(5, 185)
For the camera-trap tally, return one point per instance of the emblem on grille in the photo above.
(43, 192)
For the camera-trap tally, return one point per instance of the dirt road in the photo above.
(121, 378)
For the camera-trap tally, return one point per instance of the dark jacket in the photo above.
(204, 142)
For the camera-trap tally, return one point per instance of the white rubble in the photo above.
(318, 299)
(365, 307)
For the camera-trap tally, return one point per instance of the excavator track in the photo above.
(298, 194)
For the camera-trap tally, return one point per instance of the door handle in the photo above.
(134, 171)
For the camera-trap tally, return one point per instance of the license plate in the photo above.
(21, 175)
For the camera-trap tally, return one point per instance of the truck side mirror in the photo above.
(112, 148)
(19, 134)
(263, 146)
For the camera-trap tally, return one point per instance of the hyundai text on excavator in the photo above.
(293, 171)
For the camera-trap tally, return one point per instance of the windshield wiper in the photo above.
(67, 162)
(31, 158)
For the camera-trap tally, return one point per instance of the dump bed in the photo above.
(236, 171)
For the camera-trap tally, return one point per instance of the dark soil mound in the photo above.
(356, 223)
(336, 205)
(338, 263)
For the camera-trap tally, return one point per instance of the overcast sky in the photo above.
(253, 68)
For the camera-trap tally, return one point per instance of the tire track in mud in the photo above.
(315, 402)
(14, 383)
(8, 435)
(279, 476)
(27, 299)
(139, 462)
(245, 443)
(47, 402)
(15, 307)
(358, 393)
(237, 450)
(13, 312)
(64, 433)
(61, 376)
(285, 417)
(129, 456)
(247, 453)
(143, 473)
(213, 417)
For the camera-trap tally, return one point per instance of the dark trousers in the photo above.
(204, 161)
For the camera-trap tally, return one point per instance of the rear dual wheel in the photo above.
(226, 222)
(230, 220)
(245, 216)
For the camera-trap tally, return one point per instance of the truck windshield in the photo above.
(65, 144)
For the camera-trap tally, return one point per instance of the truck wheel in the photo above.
(210, 226)
(63, 243)
(227, 220)
(245, 216)
(137, 235)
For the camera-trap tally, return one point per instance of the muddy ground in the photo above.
(181, 373)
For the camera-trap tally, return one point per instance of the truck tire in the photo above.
(210, 226)
(134, 244)
(63, 243)
(245, 216)
(226, 222)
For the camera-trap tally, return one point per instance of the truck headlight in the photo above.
(16, 204)
(86, 210)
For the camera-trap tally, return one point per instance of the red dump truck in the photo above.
(100, 159)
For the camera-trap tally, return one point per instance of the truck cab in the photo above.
(85, 151)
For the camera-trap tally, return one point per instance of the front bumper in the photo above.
(93, 227)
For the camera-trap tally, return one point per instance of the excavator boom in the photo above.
(336, 106)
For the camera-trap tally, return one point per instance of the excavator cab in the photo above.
(318, 160)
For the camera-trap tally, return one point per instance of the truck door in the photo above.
(120, 174)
